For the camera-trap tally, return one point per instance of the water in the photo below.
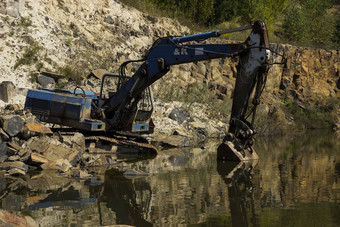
(296, 182)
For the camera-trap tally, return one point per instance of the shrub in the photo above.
(30, 56)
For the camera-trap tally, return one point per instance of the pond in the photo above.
(296, 182)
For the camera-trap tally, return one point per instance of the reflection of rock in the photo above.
(173, 141)
(9, 219)
(11, 165)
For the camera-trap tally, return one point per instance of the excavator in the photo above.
(116, 115)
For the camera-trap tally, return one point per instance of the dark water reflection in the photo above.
(296, 182)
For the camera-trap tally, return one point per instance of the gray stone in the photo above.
(3, 152)
(12, 125)
(3, 183)
(201, 133)
(179, 115)
(109, 20)
(12, 202)
(133, 174)
(15, 8)
(45, 80)
(7, 90)
(81, 174)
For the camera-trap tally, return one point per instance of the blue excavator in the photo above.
(127, 109)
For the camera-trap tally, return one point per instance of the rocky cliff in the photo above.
(61, 35)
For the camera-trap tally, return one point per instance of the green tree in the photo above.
(197, 10)
(309, 22)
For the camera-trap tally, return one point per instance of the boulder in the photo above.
(24, 154)
(74, 157)
(55, 152)
(16, 172)
(10, 165)
(81, 174)
(45, 80)
(14, 158)
(39, 144)
(179, 115)
(62, 165)
(109, 20)
(98, 160)
(78, 139)
(38, 159)
(9, 219)
(7, 91)
(12, 124)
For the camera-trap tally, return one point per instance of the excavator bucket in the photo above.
(228, 152)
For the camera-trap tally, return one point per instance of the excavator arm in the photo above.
(168, 51)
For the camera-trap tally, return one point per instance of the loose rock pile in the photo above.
(28, 145)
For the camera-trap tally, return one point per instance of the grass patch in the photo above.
(30, 56)
(312, 116)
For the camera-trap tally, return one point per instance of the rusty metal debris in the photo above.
(141, 147)
(35, 127)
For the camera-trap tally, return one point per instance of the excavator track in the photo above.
(141, 147)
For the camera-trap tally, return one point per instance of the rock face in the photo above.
(309, 73)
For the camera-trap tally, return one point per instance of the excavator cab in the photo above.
(138, 117)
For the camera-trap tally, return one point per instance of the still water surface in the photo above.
(296, 182)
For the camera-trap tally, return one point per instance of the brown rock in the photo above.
(81, 174)
(78, 139)
(16, 164)
(16, 172)
(98, 160)
(39, 144)
(74, 157)
(25, 154)
(14, 158)
(14, 146)
(62, 165)
(9, 219)
(173, 141)
(55, 152)
(38, 158)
